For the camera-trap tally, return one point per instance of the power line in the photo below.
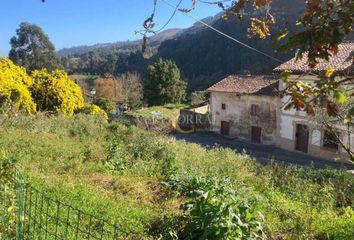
(171, 17)
(223, 34)
(214, 2)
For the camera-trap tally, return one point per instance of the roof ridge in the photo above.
(258, 84)
(340, 61)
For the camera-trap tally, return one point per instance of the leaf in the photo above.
(332, 110)
(310, 110)
(334, 49)
(285, 75)
(282, 36)
(10, 209)
(313, 63)
(329, 72)
(340, 97)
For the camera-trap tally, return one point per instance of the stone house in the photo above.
(245, 107)
(250, 108)
(296, 130)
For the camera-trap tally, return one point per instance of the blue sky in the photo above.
(85, 22)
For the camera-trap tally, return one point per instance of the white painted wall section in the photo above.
(286, 127)
(316, 138)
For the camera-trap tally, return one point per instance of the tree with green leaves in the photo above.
(32, 49)
(164, 84)
(198, 98)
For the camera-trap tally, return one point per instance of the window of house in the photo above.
(223, 106)
(254, 110)
(330, 140)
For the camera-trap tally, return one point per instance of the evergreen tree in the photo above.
(164, 84)
(32, 49)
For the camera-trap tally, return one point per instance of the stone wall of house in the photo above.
(238, 113)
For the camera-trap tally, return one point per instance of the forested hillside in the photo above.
(203, 55)
(155, 40)
(119, 57)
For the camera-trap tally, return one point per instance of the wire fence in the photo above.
(28, 213)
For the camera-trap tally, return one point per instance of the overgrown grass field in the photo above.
(169, 111)
(157, 188)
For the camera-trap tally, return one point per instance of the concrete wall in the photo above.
(287, 121)
(238, 114)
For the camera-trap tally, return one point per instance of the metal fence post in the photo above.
(20, 189)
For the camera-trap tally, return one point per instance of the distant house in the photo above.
(245, 107)
(296, 130)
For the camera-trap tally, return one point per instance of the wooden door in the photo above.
(225, 128)
(256, 134)
(302, 138)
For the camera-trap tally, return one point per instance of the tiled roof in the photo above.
(343, 60)
(257, 85)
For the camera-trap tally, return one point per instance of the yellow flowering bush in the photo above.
(55, 92)
(94, 110)
(14, 83)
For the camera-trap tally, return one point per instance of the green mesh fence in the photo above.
(28, 213)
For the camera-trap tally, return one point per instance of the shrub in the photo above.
(14, 83)
(105, 104)
(169, 166)
(219, 214)
(55, 92)
(116, 157)
(325, 188)
(198, 98)
(94, 110)
(339, 228)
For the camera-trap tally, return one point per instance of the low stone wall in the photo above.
(189, 120)
(151, 123)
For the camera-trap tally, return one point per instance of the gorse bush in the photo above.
(52, 92)
(94, 110)
(107, 105)
(14, 92)
(55, 92)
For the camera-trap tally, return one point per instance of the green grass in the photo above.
(117, 173)
(169, 111)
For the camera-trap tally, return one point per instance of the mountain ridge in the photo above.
(154, 40)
